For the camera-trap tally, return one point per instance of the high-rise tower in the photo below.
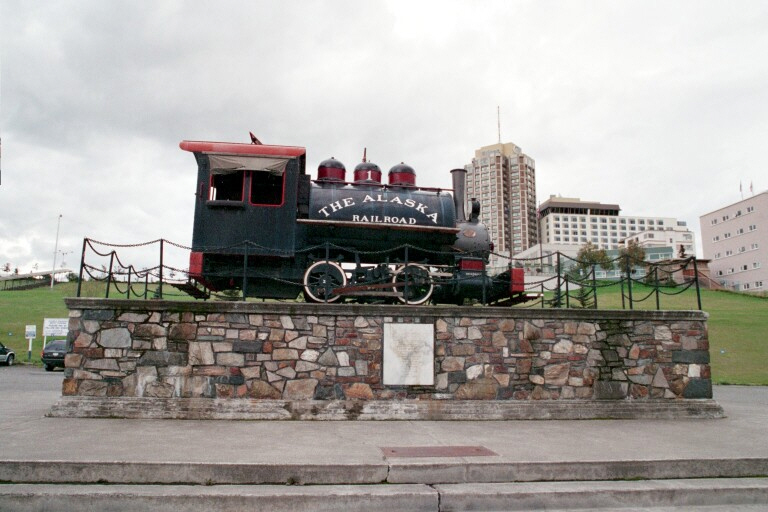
(503, 179)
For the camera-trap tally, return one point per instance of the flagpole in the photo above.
(55, 250)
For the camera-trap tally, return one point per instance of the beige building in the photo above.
(735, 239)
(571, 221)
(503, 179)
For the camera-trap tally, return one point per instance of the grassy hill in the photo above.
(738, 324)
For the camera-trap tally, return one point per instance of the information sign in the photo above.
(55, 326)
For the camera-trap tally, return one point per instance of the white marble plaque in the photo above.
(409, 355)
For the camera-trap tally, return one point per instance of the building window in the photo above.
(758, 284)
(727, 235)
(752, 227)
(756, 264)
(750, 209)
(753, 246)
(714, 221)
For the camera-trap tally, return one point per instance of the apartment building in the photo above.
(735, 239)
(503, 179)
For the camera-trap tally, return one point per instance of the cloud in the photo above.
(660, 107)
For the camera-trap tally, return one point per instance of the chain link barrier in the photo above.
(571, 282)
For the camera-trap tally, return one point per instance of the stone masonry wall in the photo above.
(291, 351)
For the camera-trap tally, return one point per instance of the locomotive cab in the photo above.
(245, 212)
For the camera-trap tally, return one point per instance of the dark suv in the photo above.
(6, 355)
(53, 354)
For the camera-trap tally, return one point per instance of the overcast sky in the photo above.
(661, 107)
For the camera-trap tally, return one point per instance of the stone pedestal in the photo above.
(419, 357)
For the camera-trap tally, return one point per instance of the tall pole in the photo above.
(498, 121)
(55, 251)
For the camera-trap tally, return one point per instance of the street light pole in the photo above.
(55, 251)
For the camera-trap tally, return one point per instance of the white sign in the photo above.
(409, 355)
(55, 326)
(30, 331)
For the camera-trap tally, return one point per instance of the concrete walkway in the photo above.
(35, 449)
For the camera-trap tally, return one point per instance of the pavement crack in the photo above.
(439, 497)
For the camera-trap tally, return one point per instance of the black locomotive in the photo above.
(264, 227)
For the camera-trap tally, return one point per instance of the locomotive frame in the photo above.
(264, 227)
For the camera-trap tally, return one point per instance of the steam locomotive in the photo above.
(263, 227)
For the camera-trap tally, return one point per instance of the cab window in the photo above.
(226, 187)
(267, 188)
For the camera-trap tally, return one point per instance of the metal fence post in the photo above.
(245, 269)
(82, 267)
(109, 275)
(405, 275)
(161, 269)
(558, 291)
(696, 277)
(629, 280)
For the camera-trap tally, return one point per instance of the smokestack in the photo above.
(459, 183)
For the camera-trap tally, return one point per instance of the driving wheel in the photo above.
(320, 279)
(413, 283)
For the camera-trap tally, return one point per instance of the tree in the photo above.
(590, 256)
(634, 251)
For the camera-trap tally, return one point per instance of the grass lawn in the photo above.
(738, 324)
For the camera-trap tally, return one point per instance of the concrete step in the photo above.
(439, 470)
(173, 498)
(748, 494)
(651, 494)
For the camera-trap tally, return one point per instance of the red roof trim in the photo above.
(233, 148)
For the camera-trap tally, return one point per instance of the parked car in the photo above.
(53, 354)
(6, 355)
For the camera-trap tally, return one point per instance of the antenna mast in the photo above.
(498, 122)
